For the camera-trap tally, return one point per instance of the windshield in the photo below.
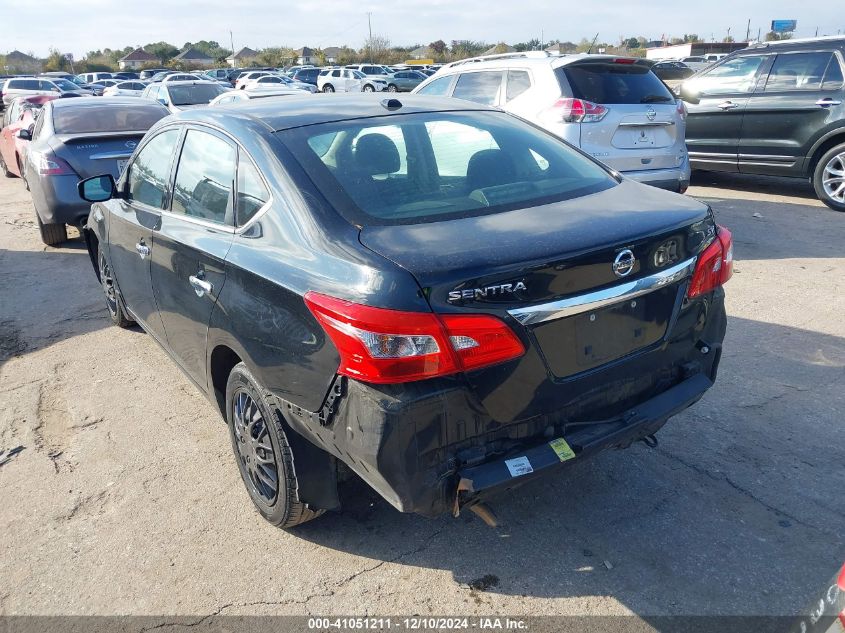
(64, 84)
(107, 118)
(609, 82)
(194, 94)
(408, 169)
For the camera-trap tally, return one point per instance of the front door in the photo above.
(132, 220)
(191, 244)
(788, 112)
(714, 123)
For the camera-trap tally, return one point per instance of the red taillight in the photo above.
(682, 109)
(391, 346)
(714, 266)
(624, 60)
(51, 165)
(571, 110)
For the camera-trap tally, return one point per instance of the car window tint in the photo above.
(480, 87)
(603, 82)
(798, 71)
(106, 117)
(205, 177)
(252, 194)
(149, 172)
(732, 76)
(454, 145)
(518, 82)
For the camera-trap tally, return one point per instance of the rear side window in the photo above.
(205, 178)
(798, 71)
(252, 194)
(604, 82)
(518, 82)
(125, 118)
(22, 84)
(480, 87)
(149, 172)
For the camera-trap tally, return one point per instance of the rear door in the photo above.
(131, 224)
(191, 243)
(641, 128)
(789, 110)
(716, 102)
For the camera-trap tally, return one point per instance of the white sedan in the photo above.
(239, 96)
(127, 88)
(277, 81)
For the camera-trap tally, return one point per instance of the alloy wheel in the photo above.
(255, 449)
(833, 178)
(391, 88)
(369, 88)
(107, 282)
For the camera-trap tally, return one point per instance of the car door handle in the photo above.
(727, 105)
(201, 286)
(827, 102)
(143, 250)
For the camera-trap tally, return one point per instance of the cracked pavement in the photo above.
(125, 498)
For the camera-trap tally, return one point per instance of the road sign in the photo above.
(784, 26)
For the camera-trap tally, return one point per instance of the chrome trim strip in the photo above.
(561, 308)
(110, 155)
(645, 123)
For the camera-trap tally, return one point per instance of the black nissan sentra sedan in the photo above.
(443, 297)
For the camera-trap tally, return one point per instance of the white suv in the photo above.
(613, 108)
(340, 80)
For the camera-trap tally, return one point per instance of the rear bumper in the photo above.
(672, 179)
(57, 200)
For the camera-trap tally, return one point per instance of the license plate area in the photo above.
(584, 341)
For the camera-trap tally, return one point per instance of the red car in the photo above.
(21, 114)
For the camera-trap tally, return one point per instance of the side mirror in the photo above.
(162, 101)
(55, 90)
(24, 134)
(97, 188)
(689, 94)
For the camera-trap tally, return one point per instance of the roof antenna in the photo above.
(593, 43)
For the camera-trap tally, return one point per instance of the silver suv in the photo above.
(613, 108)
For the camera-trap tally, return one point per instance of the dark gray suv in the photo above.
(773, 108)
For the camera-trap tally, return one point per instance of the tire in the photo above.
(51, 234)
(4, 168)
(328, 88)
(262, 452)
(369, 88)
(829, 178)
(114, 303)
(392, 88)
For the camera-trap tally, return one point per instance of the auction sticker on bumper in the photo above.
(519, 466)
(562, 449)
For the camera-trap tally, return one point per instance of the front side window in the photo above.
(205, 178)
(798, 71)
(736, 75)
(480, 87)
(149, 173)
(432, 166)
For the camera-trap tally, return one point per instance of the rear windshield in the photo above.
(193, 94)
(122, 118)
(415, 168)
(609, 82)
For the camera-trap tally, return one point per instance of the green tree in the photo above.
(162, 50)
(461, 49)
(56, 61)
(276, 56)
(773, 36)
(377, 50)
(632, 42)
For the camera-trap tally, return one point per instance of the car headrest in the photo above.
(488, 168)
(376, 154)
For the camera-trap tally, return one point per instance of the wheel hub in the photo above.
(255, 450)
(108, 283)
(833, 178)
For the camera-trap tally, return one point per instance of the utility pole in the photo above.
(370, 24)
(817, 31)
(748, 30)
(232, 42)
(542, 39)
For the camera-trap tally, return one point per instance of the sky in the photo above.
(77, 26)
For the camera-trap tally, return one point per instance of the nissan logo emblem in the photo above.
(624, 263)
(131, 144)
(650, 113)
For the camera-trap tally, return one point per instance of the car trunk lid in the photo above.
(94, 154)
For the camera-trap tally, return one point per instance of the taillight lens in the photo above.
(682, 109)
(51, 165)
(714, 266)
(391, 346)
(570, 110)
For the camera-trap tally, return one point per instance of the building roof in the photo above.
(304, 52)
(246, 51)
(192, 53)
(332, 51)
(501, 47)
(560, 48)
(18, 56)
(139, 55)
